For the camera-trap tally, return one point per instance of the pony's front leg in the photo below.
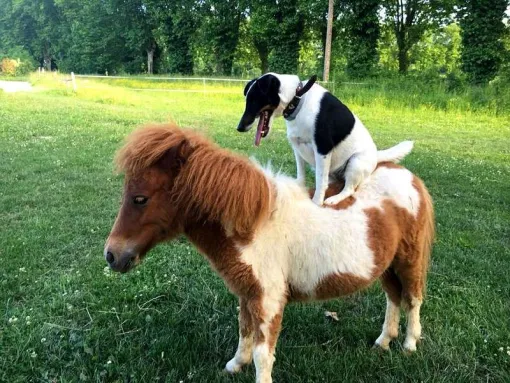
(267, 330)
(246, 337)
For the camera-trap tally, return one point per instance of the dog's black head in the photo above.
(261, 100)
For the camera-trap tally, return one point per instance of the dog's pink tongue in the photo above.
(258, 135)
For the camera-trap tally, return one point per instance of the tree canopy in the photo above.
(240, 37)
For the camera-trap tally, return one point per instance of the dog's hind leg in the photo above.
(358, 168)
(246, 339)
(322, 166)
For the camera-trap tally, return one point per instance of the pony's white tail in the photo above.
(395, 153)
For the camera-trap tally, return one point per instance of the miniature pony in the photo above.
(266, 238)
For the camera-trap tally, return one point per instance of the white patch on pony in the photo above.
(243, 355)
(390, 326)
(394, 184)
(413, 332)
(263, 363)
(303, 243)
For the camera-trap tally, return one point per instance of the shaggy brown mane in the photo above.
(225, 186)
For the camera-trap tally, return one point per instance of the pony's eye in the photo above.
(140, 200)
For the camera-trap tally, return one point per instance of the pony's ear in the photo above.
(175, 157)
(250, 83)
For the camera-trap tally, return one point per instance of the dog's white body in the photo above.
(356, 155)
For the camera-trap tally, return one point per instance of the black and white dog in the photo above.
(322, 131)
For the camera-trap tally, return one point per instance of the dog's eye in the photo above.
(140, 200)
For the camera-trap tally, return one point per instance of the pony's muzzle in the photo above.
(121, 261)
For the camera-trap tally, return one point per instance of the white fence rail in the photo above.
(203, 80)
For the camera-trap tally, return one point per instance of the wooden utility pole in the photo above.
(329, 33)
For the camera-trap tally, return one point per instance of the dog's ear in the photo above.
(250, 83)
(270, 87)
(274, 91)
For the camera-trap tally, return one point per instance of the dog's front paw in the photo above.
(317, 200)
(336, 199)
(233, 366)
(331, 201)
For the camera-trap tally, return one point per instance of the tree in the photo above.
(410, 19)
(285, 42)
(93, 39)
(33, 25)
(139, 23)
(263, 27)
(482, 31)
(438, 50)
(176, 29)
(277, 28)
(361, 22)
(220, 29)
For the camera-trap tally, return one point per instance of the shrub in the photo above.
(18, 62)
(8, 66)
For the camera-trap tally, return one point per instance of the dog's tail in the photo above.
(395, 153)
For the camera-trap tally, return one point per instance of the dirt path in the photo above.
(15, 86)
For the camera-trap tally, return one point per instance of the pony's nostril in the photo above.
(109, 257)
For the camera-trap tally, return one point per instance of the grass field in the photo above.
(66, 318)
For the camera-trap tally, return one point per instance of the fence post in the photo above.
(203, 81)
(73, 79)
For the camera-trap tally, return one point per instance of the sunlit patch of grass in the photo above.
(67, 318)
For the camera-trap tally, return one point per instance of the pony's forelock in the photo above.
(147, 145)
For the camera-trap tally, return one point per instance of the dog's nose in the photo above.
(241, 127)
(109, 257)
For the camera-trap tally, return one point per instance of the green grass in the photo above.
(65, 318)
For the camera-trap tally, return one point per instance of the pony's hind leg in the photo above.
(413, 332)
(246, 339)
(412, 277)
(393, 290)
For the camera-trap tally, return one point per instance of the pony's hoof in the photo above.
(382, 344)
(409, 347)
(233, 367)
(380, 347)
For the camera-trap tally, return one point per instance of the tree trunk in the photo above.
(329, 33)
(403, 57)
(47, 57)
(264, 63)
(150, 60)
(403, 61)
(47, 63)
(263, 52)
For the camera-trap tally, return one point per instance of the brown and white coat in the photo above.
(267, 239)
